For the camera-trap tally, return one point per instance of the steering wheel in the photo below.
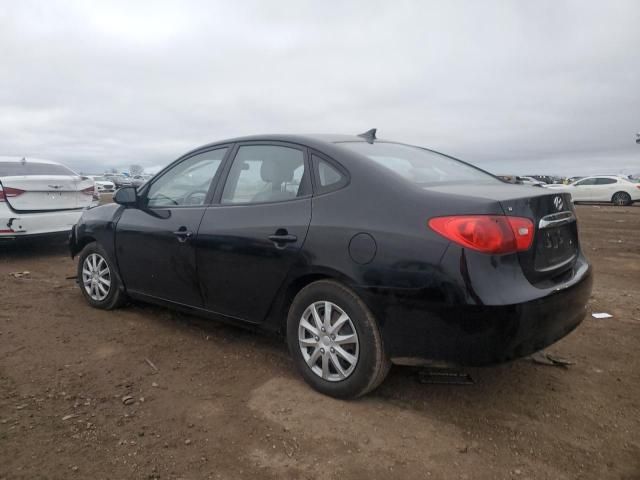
(188, 200)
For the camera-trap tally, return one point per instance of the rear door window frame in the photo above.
(305, 182)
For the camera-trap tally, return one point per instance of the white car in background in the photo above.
(602, 188)
(530, 181)
(40, 197)
(103, 184)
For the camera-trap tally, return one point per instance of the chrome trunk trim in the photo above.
(556, 219)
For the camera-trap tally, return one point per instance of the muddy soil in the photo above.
(203, 400)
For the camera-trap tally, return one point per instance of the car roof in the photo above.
(317, 139)
(11, 159)
(617, 177)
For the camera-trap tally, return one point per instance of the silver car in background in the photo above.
(39, 197)
(103, 184)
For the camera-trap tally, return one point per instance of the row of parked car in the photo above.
(110, 182)
(41, 196)
(617, 189)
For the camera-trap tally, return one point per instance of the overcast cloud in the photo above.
(515, 87)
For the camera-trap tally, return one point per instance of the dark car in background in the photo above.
(362, 252)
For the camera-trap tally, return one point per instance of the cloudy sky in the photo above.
(513, 86)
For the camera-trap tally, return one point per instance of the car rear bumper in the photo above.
(17, 225)
(415, 330)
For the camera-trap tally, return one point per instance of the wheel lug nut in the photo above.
(322, 350)
(333, 337)
(333, 350)
(323, 329)
(317, 338)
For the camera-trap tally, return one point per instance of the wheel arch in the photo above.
(629, 201)
(276, 320)
(81, 243)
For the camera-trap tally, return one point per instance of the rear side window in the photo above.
(265, 173)
(419, 165)
(9, 169)
(328, 177)
(605, 181)
(586, 181)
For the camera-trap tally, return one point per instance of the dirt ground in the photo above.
(212, 401)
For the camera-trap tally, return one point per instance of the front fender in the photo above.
(96, 224)
(73, 244)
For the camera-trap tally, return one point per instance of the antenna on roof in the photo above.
(23, 161)
(369, 135)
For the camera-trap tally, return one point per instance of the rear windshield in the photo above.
(11, 169)
(419, 165)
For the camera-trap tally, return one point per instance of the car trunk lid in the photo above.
(30, 193)
(555, 244)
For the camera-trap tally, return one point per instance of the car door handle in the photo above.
(183, 235)
(283, 238)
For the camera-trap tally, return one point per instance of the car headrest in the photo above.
(276, 170)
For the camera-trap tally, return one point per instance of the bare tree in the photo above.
(136, 170)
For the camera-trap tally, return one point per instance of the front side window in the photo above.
(419, 165)
(264, 173)
(186, 184)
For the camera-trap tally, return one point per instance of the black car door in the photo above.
(249, 240)
(155, 242)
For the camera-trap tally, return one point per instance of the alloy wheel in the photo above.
(621, 199)
(328, 341)
(96, 277)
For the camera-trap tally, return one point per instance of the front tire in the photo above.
(335, 341)
(98, 278)
(621, 199)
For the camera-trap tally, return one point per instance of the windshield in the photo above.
(14, 169)
(419, 165)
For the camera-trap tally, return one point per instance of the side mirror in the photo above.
(127, 196)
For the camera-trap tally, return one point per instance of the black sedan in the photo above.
(363, 252)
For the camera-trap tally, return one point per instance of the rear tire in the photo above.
(98, 278)
(621, 199)
(347, 358)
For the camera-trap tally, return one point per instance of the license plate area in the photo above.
(555, 246)
(54, 195)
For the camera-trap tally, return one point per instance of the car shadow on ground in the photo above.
(30, 248)
(496, 386)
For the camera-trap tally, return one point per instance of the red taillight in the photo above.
(496, 234)
(89, 190)
(8, 192)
